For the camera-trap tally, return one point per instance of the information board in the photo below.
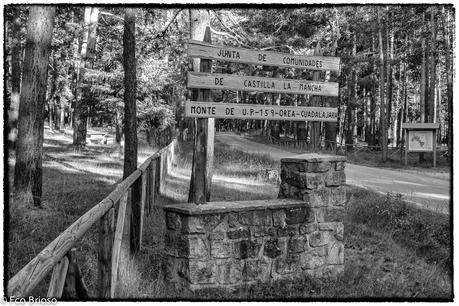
(256, 111)
(250, 83)
(259, 57)
(420, 141)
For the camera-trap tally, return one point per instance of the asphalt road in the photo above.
(423, 190)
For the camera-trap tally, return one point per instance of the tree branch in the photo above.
(280, 27)
(163, 32)
(225, 26)
(229, 35)
(279, 46)
(111, 15)
(237, 24)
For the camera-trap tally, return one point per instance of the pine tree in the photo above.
(29, 151)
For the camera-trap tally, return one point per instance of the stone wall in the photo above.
(233, 244)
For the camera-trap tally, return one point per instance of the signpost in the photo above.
(258, 111)
(260, 57)
(205, 109)
(250, 83)
(421, 137)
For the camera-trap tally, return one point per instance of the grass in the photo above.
(393, 250)
(73, 182)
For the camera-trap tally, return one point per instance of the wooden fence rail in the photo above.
(60, 254)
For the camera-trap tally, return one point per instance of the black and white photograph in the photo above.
(228, 152)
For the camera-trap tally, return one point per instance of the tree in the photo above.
(16, 52)
(83, 93)
(29, 151)
(383, 121)
(316, 101)
(449, 81)
(130, 87)
(130, 120)
(430, 105)
(350, 108)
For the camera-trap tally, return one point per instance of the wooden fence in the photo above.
(133, 193)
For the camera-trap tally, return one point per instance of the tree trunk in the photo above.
(373, 100)
(88, 43)
(423, 81)
(330, 127)
(16, 52)
(52, 92)
(130, 123)
(383, 121)
(433, 65)
(118, 127)
(50, 114)
(372, 140)
(203, 149)
(28, 168)
(424, 85)
(367, 99)
(399, 111)
(351, 102)
(316, 101)
(62, 115)
(402, 113)
(390, 52)
(449, 83)
(130, 85)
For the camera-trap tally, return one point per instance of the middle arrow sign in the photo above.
(250, 83)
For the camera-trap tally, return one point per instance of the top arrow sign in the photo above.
(239, 55)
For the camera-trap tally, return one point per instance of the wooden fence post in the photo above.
(153, 167)
(126, 242)
(148, 189)
(106, 234)
(142, 206)
(135, 214)
(74, 287)
(161, 172)
(116, 251)
(158, 174)
(56, 285)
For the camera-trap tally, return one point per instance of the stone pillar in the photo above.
(235, 244)
(318, 180)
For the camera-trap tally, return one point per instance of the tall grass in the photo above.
(423, 231)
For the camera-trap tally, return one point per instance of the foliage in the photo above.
(426, 232)
(161, 35)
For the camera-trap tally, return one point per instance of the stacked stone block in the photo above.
(233, 244)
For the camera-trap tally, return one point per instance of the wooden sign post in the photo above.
(421, 137)
(203, 149)
(202, 108)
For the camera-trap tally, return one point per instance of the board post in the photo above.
(406, 147)
(434, 144)
(203, 149)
